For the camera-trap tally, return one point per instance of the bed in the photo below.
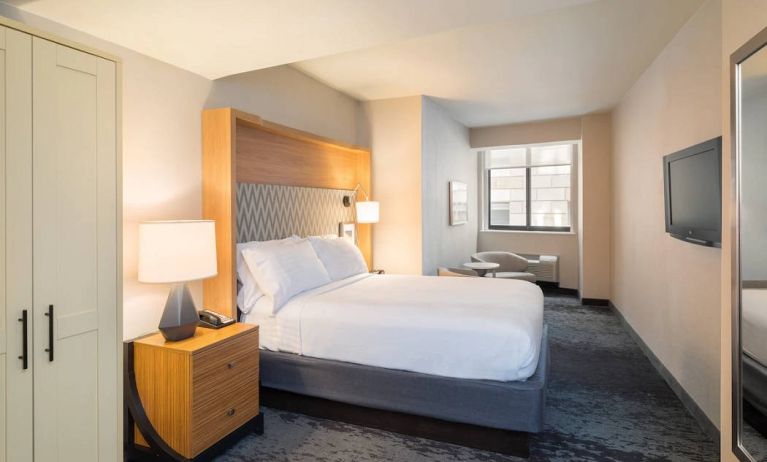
(467, 351)
(459, 361)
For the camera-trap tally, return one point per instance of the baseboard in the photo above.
(595, 302)
(553, 288)
(692, 407)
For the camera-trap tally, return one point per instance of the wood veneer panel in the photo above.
(218, 203)
(203, 338)
(269, 158)
(164, 385)
(365, 231)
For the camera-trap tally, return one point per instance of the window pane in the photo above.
(508, 202)
(515, 157)
(551, 155)
(550, 196)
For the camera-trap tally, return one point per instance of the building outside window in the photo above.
(529, 187)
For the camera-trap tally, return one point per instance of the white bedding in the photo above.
(754, 324)
(473, 328)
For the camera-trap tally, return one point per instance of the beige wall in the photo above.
(584, 256)
(445, 156)
(594, 206)
(161, 142)
(669, 290)
(392, 128)
(741, 20)
(288, 96)
(544, 131)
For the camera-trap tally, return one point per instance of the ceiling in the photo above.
(224, 37)
(487, 61)
(562, 63)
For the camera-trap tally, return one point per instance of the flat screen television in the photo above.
(693, 189)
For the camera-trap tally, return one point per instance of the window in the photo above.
(529, 187)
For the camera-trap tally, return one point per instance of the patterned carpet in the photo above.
(605, 402)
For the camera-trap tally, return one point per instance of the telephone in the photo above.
(213, 320)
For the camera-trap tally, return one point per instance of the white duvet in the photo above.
(472, 328)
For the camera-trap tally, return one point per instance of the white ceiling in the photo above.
(487, 61)
(216, 38)
(566, 62)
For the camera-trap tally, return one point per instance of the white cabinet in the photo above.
(58, 253)
(16, 132)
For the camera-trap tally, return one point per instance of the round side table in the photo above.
(482, 267)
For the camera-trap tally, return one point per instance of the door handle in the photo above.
(49, 350)
(24, 340)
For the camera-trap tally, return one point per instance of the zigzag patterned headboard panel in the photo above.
(266, 212)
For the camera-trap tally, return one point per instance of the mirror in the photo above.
(749, 72)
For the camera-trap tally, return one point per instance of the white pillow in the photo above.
(249, 293)
(284, 271)
(342, 259)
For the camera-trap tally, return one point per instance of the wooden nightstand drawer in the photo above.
(225, 389)
(199, 390)
(226, 361)
(212, 418)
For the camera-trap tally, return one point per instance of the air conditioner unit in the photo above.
(544, 267)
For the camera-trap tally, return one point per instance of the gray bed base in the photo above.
(755, 383)
(516, 406)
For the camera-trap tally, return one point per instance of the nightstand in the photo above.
(195, 397)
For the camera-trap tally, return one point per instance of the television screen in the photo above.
(693, 190)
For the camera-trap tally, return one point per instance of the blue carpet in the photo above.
(605, 402)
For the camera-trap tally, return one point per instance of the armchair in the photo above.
(512, 266)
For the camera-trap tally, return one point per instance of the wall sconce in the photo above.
(367, 211)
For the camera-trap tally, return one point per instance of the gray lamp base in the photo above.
(179, 319)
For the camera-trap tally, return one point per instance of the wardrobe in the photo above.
(59, 244)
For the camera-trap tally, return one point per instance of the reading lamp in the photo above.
(367, 210)
(177, 252)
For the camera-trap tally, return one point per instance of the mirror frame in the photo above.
(751, 47)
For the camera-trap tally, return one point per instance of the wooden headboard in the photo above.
(241, 147)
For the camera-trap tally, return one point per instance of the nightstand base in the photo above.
(135, 453)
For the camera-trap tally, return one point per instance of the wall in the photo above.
(445, 156)
(392, 128)
(288, 96)
(526, 133)
(594, 206)
(741, 20)
(161, 141)
(565, 245)
(669, 290)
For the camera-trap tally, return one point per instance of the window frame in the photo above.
(528, 210)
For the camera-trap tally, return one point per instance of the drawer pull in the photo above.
(230, 412)
(230, 365)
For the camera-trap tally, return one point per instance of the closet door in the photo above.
(15, 245)
(75, 256)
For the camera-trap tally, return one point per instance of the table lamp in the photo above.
(177, 252)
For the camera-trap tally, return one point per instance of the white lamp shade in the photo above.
(367, 211)
(176, 251)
